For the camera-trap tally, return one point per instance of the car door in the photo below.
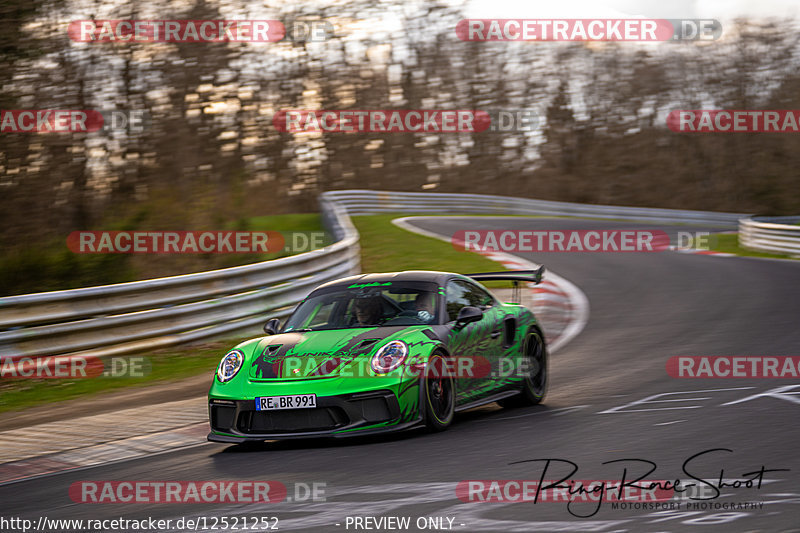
(478, 342)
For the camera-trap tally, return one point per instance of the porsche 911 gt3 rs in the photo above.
(381, 352)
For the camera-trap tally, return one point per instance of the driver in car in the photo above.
(424, 304)
(367, 310)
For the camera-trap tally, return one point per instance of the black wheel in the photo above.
(438, 394)
(534, 386)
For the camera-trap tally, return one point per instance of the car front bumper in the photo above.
(340, 415)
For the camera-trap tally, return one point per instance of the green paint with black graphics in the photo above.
(324, 350)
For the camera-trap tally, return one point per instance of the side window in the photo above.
(456, 299)
(461, 293)
(480, 297)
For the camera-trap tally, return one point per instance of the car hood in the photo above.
(319, 354)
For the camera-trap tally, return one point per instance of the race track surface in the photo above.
(644, 309)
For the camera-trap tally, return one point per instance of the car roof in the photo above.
(433, 276)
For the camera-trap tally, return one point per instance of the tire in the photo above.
(438, 394)
(534, 386)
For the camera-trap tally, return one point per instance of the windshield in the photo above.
(362, 305)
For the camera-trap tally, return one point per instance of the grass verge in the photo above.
(160, 366)
(729, 243)
(387, 248)
(53, 266)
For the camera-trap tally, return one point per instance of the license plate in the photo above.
(295, 401)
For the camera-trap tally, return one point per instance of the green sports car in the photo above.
(381, 352)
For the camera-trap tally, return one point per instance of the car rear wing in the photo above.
(531, 276)
(516, 276)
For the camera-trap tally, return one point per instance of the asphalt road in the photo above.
(644, 309)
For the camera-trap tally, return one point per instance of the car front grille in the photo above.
(373, 409)
(291, 420)
(331, 413)
(222, 417)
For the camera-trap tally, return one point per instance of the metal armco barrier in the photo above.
(149, 314)
(142, 315)
(780, 235)
(362, 202)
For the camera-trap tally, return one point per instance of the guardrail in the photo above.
(361, 202)
(142, 315)
(780, 235)
(130, 317)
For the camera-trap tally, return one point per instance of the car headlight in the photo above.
(390, 356)
(230, 365)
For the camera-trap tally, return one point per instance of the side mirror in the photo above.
(468, 314)
(272, 326)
